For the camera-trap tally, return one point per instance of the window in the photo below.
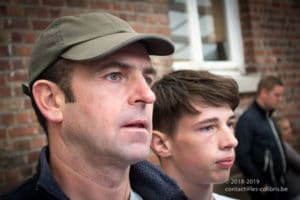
(207, 35)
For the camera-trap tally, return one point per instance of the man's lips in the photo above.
(226, 162)
(142, 124)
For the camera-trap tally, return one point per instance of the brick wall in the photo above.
(271, 35)
(21, 21)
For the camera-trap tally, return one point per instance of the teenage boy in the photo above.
(193, 130)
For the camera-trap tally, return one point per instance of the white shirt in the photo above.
(135, 196)
(221, 197)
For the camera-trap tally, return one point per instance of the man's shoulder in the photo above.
(151, 182)
(24, 191)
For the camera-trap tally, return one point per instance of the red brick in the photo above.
(12, 174)
(2, 134)
(15, 11)
(16, 37)
(57, 3)
(22, 117)
(26, 171)
(5, 91)
(4, 65)
(37, 12)
(164, 20)
(3, 10)
(28, 2)
(4, 50)
(7, 118)
(18, 91)
(38, 142)
(21, 145)
(16, 24)
(22, 50)
(40, 24)
(22, 131)
(77, 3)
(18, 76)
(100, 5)
(30, 37)
(33, 156)
(4, 37)
(9, 104)
(18, 63)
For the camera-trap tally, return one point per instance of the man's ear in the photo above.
(160, 144)
(49, 99)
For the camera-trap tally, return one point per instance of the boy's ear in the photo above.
(49, 99)
(160, 144)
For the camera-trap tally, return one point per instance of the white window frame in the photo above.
(235, 65)
(236, 60)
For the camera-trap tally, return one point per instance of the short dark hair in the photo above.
(60, 73)
(177, 92)
(268, 83)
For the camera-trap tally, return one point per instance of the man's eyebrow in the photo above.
(150, 70)
(147, 70)
(110, 64)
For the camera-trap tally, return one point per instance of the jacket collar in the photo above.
(46, 181)
(264, 112)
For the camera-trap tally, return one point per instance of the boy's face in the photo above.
(202, 149)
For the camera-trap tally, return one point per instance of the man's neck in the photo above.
(80, 181)
(261, 104)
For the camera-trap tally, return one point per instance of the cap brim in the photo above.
(103, 46)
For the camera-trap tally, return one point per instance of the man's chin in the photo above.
(139, 156)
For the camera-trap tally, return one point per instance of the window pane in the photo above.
(212, 29)
(179, 29)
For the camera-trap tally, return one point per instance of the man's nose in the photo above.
(141, 92)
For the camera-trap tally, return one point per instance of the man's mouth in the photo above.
(137, 124)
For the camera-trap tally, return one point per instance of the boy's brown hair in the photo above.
(178, 92)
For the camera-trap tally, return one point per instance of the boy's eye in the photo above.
(114, 76)
(207, 128)
(231, 124)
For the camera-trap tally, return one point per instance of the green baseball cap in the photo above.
(87, 37)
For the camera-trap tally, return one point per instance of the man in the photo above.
(89, 82)
(260, 154)
(193, 130)
(292, 158)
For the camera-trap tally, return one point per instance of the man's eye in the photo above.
(149, 80)
(115, 76)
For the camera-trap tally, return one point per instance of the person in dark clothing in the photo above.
(292, 157)
(145, 178)
(260, 154)
(89, 82)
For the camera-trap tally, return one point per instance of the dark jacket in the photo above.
(260, 153)
(146, 179)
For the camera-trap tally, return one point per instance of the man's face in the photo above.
(111, 118)
(273, 97)
(203, 146)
